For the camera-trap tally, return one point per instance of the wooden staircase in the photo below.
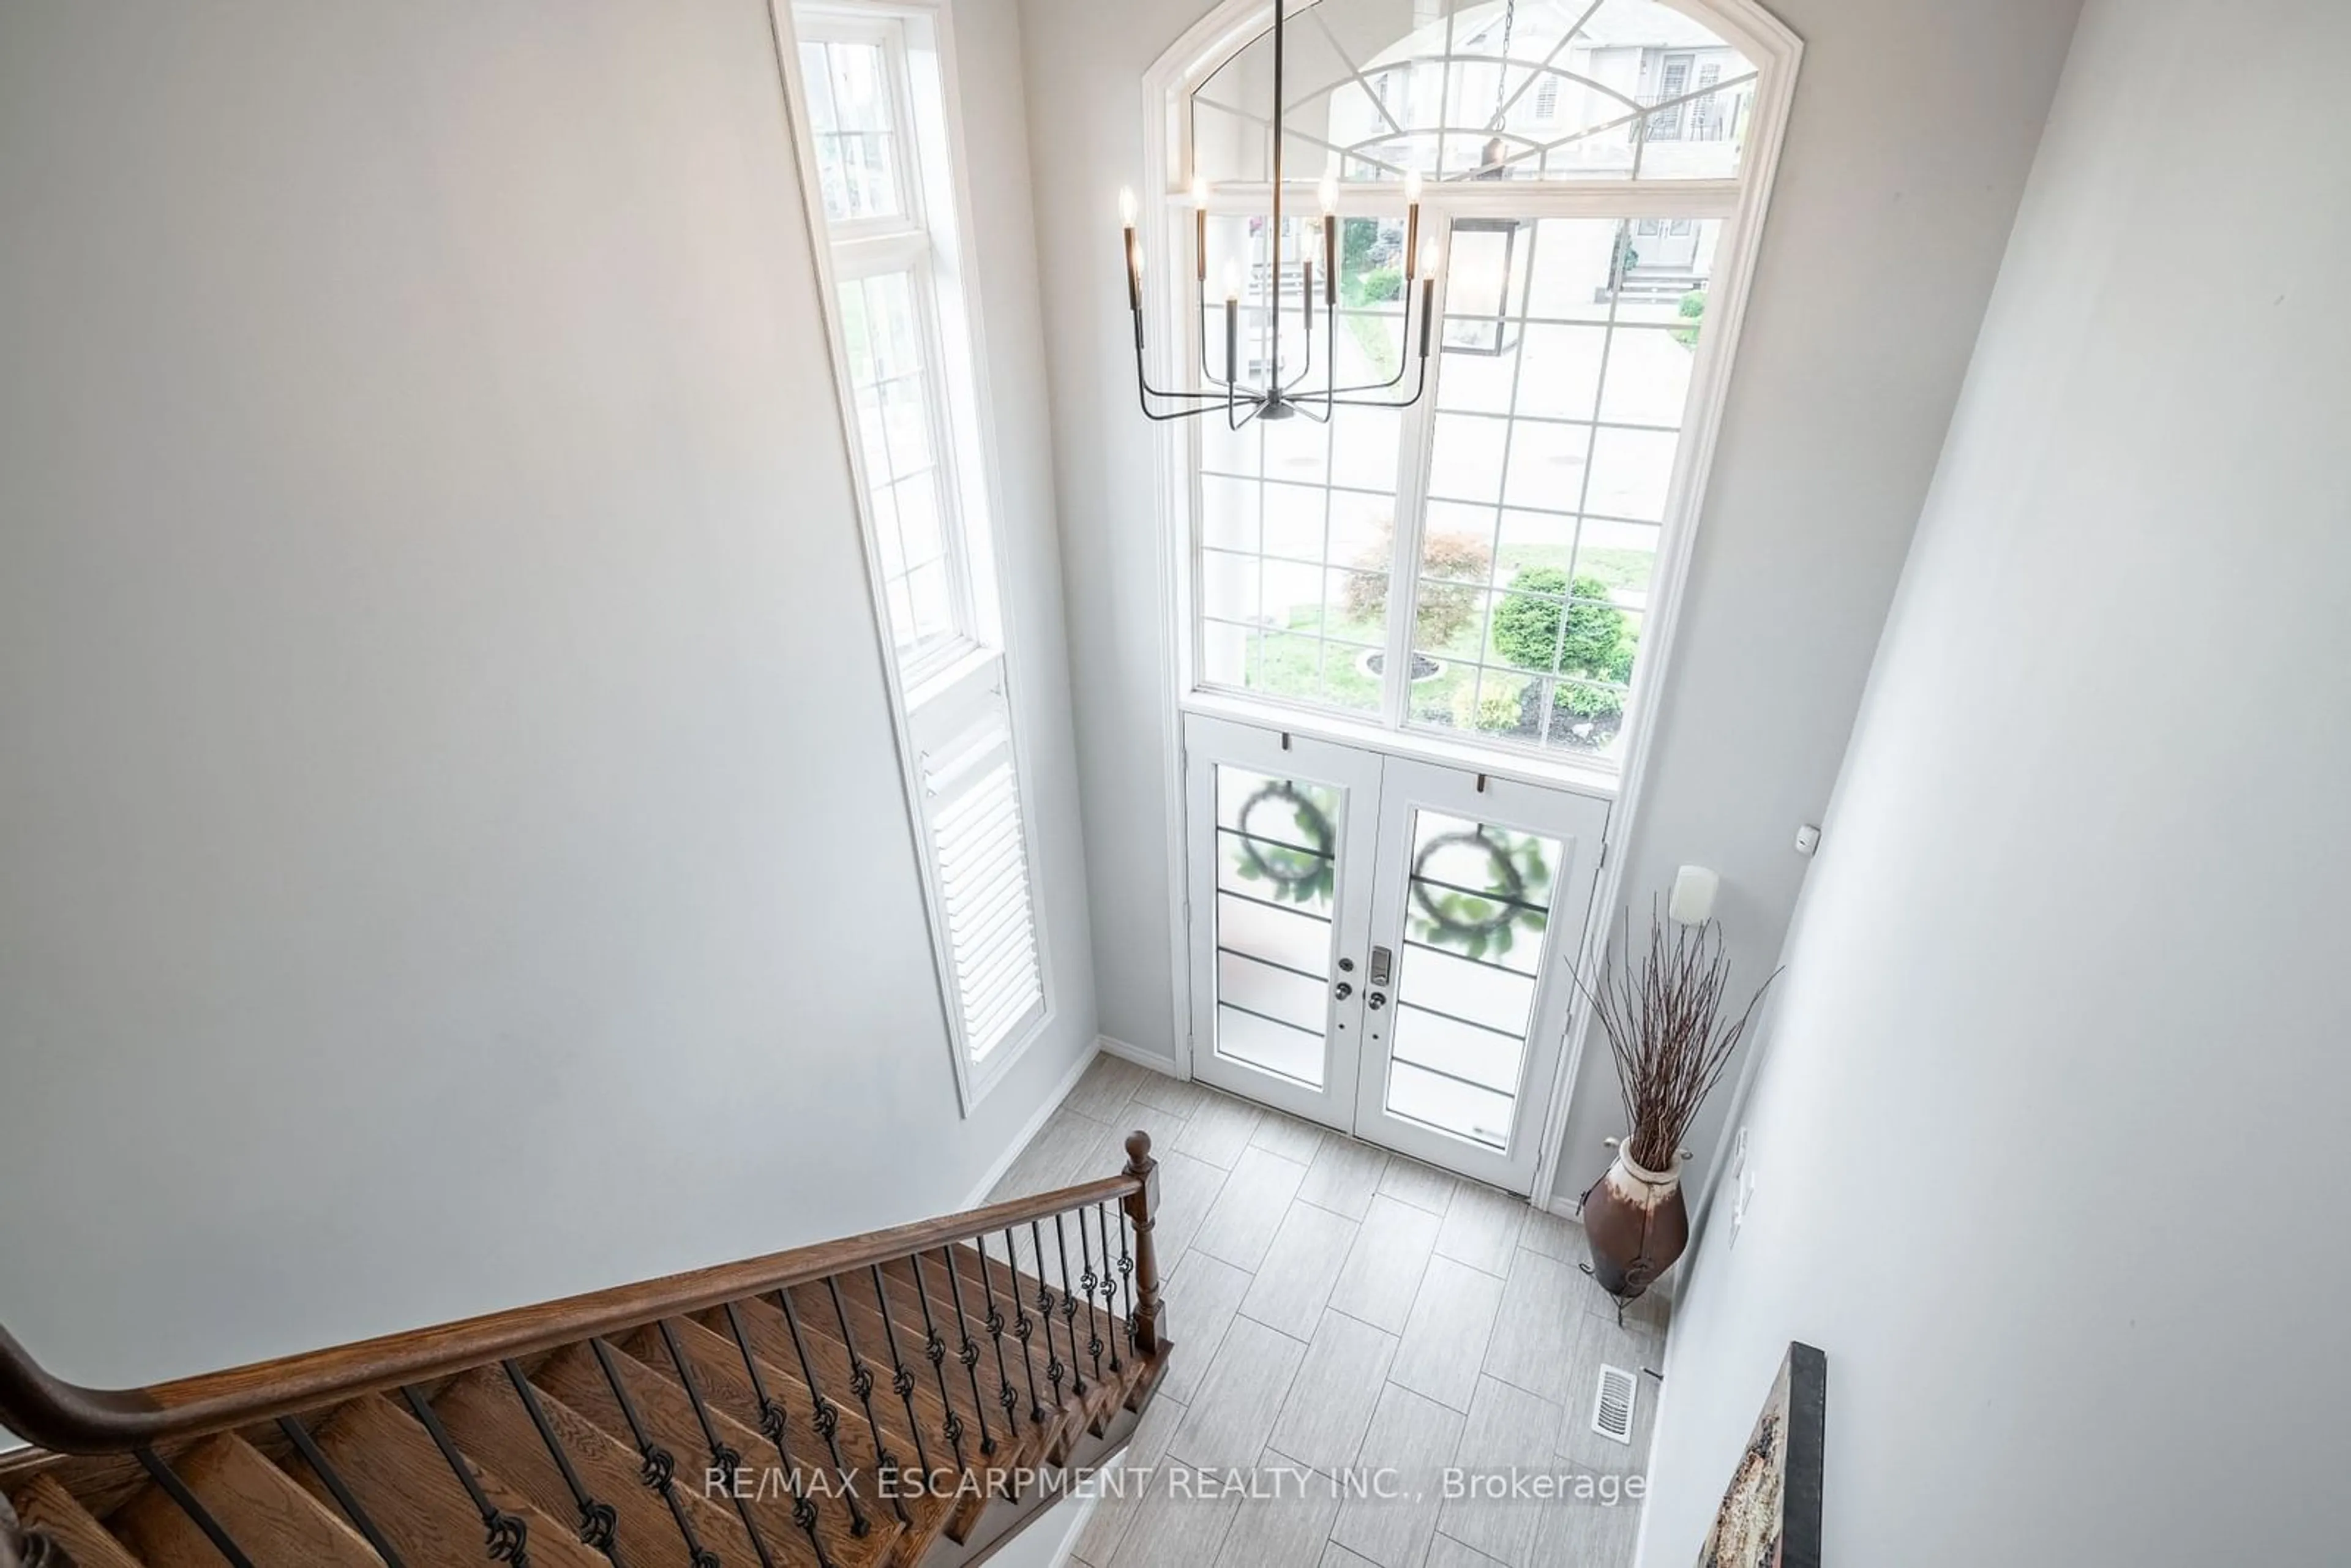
(914, 1396)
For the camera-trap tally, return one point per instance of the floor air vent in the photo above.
(1612, 1407)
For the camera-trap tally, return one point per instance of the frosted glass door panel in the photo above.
(1280, 900)
(1477, 909)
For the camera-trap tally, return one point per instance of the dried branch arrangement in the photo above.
(1663, 1019)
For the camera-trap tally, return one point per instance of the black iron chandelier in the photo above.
(1274, 396)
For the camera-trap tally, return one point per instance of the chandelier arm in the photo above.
(1404, 335)
(1388, 385)
(1419, 386)
(1143, 380)
(1172, 416)
(1145, 392)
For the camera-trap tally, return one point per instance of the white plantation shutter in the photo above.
(980, 847)
(870, 85)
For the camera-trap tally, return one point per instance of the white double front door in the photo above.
(1382, 946)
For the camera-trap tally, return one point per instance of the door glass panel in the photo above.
(1420, 1095)
(1277, 874)
(1483, 994)
(1488, 1057)
(1277, 995)
(1477, 909)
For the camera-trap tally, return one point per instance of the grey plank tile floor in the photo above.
(1348, 1322)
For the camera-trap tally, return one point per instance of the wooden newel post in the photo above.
(1142, 1208)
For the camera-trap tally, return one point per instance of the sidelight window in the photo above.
(881, 151)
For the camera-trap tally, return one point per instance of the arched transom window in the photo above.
(1496, 564)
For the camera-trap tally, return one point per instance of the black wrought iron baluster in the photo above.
(599, 1522)
(323, 1467)
(968, 1348)
(164, 1476)
(773, 1426)
(902, 1381)
(1023, 1325)
(1045, 1314)
(1070, 1311)
(657, 1467)
(724, 1462)
(1109, 1286)
(506, 1537)
(1090, 1281)
(861, 1383)
(1126, 1274)
(934, 1351)
(825, 1415)
(1005, 1397)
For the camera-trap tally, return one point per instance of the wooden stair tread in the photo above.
(576, 1377)
(1023, 1370)
(771, 1341)
(980, 1414)
(272, 1521)
(1025, 1282)
(718, 1368)
(995, 1280)
(871, 1344)
(46, 1507)
(485, 1417)
(395, 1470)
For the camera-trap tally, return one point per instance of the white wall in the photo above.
(1914, 126)
(2041, 1143)
(455, 852)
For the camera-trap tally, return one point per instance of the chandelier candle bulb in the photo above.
(1411, 224)
(1200, 226)
(1133, 256)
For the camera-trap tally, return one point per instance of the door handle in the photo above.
(1342, 990)
(1375, 1001)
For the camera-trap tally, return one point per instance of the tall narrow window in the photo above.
(883, 163)
(1485, 568)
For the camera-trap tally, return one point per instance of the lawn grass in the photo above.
(1300, 667)
(1629, 569)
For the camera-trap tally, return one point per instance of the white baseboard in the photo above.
(1140, 1056)
(1019, 1141)
(1066, 1551)
(1567, 1206)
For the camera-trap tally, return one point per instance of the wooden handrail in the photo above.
(66, 1418)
